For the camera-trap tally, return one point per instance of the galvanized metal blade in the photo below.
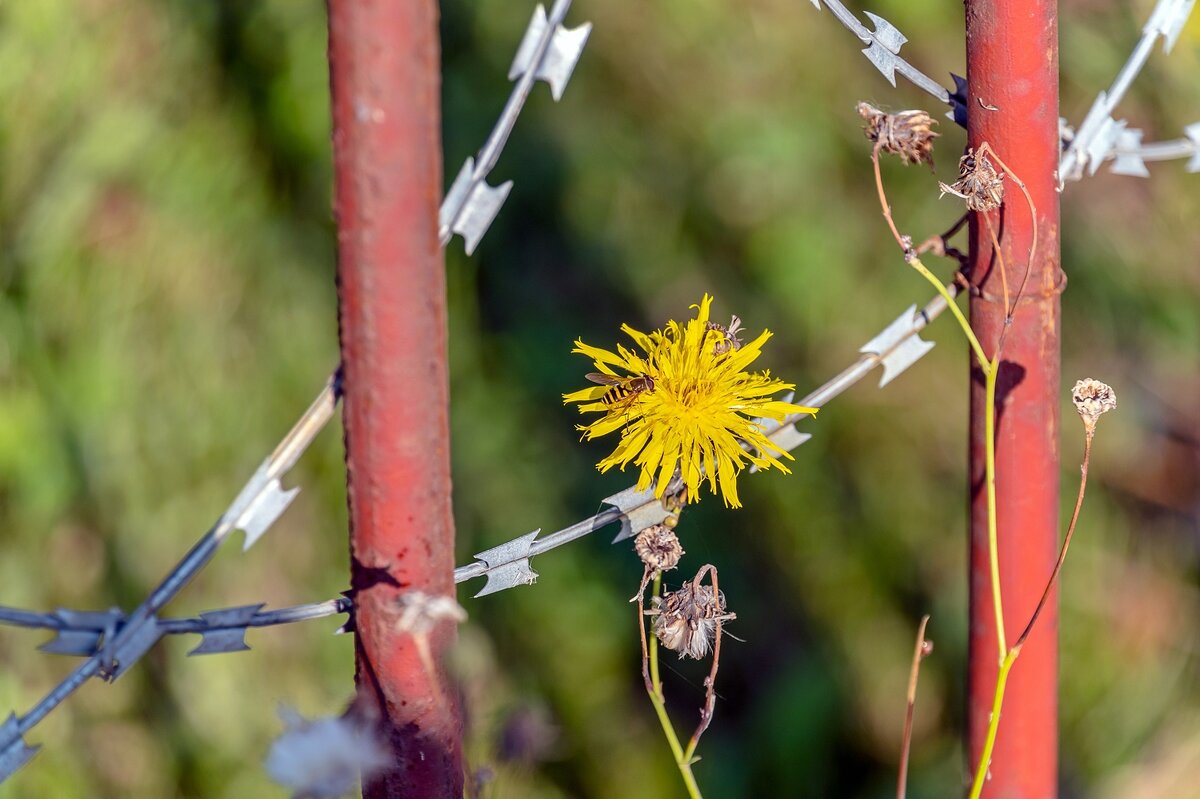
(560, 57)
(508, 564)
(898, 346)
(14, 752)
(229, 630)
(639, 510)
(885, 47)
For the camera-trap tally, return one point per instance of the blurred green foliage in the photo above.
(168, 308)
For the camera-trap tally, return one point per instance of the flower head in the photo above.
(684, 404)
(908, 134)
(1092, 399)
(686, 620)
(978, 183)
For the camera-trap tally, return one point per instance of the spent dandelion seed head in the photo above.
(908, 134)
(979, 183)
(1092, 400)
(681, 404)
(685, 621)
(658, 548)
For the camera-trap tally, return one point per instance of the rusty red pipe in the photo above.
(384, 78)
(1012, 74)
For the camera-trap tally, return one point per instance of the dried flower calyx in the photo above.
(908, 134)
(658, 547)
(978, 183)
(1093, 399)
(686, 620)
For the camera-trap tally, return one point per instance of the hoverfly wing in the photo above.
(602, 379)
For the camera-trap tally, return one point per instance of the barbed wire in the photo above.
(82, 632)
(883, 50)
(113, 642)
(548, 52)
(123, 642)
(1099, 139)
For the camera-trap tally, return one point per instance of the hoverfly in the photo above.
(622, 390)
(729, 340)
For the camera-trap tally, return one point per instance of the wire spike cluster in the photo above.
(896, 348)
(1101, 137)
(548, 52)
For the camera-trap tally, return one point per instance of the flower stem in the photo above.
(989, 431)
(976, 347)
(660, 708)
(989, 742)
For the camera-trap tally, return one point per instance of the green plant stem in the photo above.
(989, 431)
(682, 759)
(989, 742)
(984, 363)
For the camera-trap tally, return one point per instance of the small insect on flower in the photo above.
(728, 340)
(685, 403)
(622, 390)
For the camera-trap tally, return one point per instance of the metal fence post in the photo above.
(1012, 72)
(384, 76)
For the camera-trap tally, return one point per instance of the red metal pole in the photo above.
(1012, 67)
(384, 76)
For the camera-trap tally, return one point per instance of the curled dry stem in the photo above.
(710, 682)
(922, 650)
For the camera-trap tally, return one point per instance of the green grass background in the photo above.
(167, 310)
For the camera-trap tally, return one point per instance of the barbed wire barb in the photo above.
(548, 52)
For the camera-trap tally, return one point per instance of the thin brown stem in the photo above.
(710, 682)
(1062, 555)
(641, 608)
(987, 219)
(986, 148)
(919, 653)
(904, 241)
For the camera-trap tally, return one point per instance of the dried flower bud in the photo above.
(658, 547)
(908, 134)
(1092, 399)
(687, 619)
(978, 183)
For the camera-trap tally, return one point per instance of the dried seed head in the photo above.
(658, 547)
(908, 134)
(978, 183)
(687, 619)
(1092, 399)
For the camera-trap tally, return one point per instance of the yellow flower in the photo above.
(694, 411)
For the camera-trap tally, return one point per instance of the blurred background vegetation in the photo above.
(168, 309)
